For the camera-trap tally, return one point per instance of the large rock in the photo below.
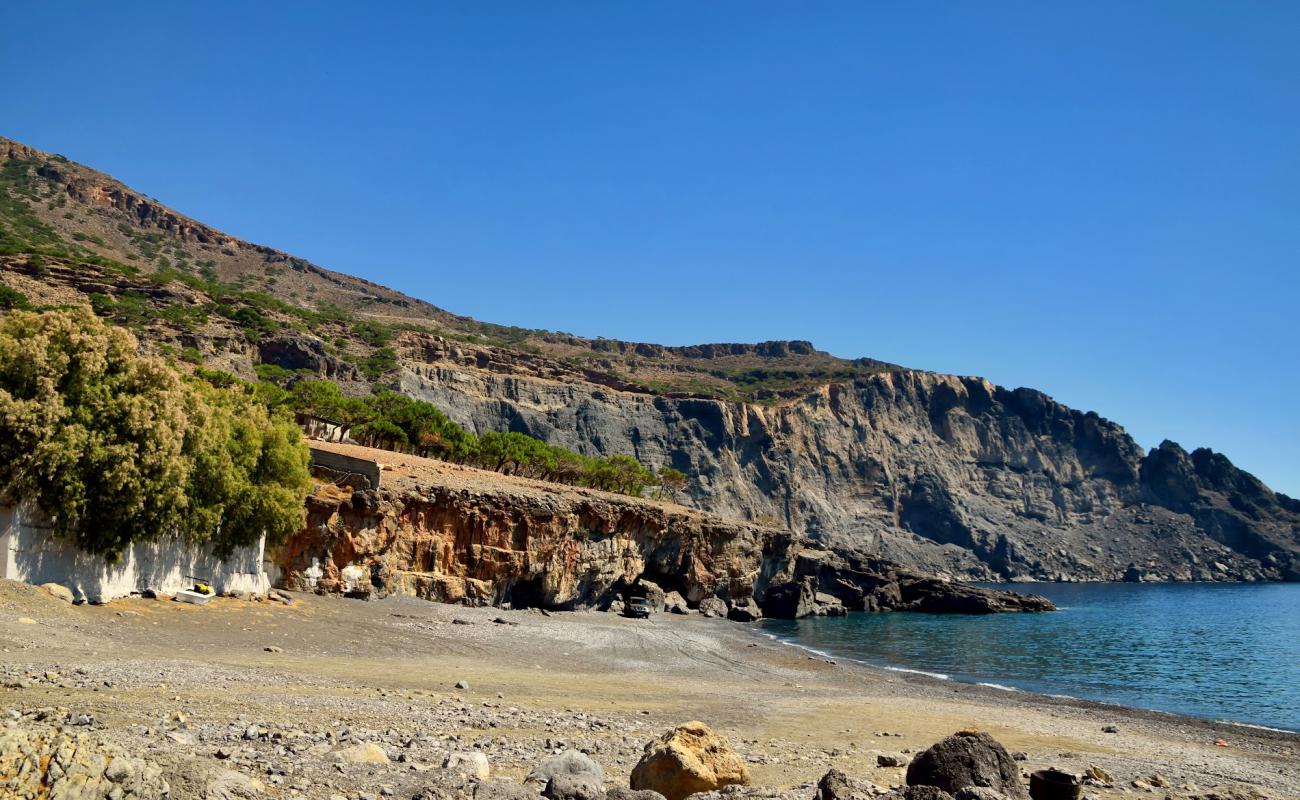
(570, 762)
(674, 603)
(43, 762)
(58, 590)
(744, 611)
(791, 600)
(573, 787)
(835, 785)
(470, 762)
(713, 607)
(363, 753)
(968, 758)
(688, 759)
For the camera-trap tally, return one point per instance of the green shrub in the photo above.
(114, 447)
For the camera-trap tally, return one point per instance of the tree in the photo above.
(671, 481)
(114, 447)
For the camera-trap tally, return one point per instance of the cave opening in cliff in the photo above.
(529, 593)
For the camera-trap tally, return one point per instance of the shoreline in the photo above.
(1081, 702)
(385, 671)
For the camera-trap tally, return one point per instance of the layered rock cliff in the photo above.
(940, 474)
(462, 535)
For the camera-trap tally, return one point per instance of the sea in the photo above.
(1226, 652)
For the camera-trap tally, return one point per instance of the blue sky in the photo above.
(1100, 200)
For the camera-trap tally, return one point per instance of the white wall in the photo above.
(30, 553)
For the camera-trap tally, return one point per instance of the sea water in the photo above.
(1217, 651)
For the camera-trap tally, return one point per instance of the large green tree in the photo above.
(115, 447)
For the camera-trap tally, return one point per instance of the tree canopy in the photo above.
(115, 447)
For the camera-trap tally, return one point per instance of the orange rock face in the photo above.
(688, 759)
(478, 538)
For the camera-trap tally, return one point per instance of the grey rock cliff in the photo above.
(944, 474)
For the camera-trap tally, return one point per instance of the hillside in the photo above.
(939, 473)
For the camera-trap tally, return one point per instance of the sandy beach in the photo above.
(270, 690)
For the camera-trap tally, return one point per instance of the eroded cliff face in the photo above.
(463, 535)
(939, 473)
(561, 549)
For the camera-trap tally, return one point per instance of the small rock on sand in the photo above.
(59, 591)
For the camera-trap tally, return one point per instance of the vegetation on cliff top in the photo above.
(391, 421)
(115, 447)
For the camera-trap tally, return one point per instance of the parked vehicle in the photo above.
(637, 607)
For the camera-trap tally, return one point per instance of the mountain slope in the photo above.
(936, 472)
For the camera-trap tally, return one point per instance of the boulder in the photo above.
(828, 605)
(968, 758)
(835, 785)
(363, 753)
(619, 793)
(470, 762)
(688, 759)
(59, 591)
(674, 603)
(570, 762)
(573, 787)
(891, 760)
(791, 600)
(979, 793)
(713, 607)
(744, 611)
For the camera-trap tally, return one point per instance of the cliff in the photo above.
(462, 535)
(940, 474)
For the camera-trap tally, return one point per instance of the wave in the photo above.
(999, 687)
(938, 675)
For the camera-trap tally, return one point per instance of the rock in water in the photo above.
(688, 759)
(570, 762)
(968, 758)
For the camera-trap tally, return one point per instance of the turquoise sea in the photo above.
(1216, 651)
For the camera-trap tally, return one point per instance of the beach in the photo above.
(271, 690)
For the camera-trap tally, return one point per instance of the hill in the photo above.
(939, 473)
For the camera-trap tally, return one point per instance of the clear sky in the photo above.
(1097, 199)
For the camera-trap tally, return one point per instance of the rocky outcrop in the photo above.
(462, 535)
(41, 761)
(941, 474)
